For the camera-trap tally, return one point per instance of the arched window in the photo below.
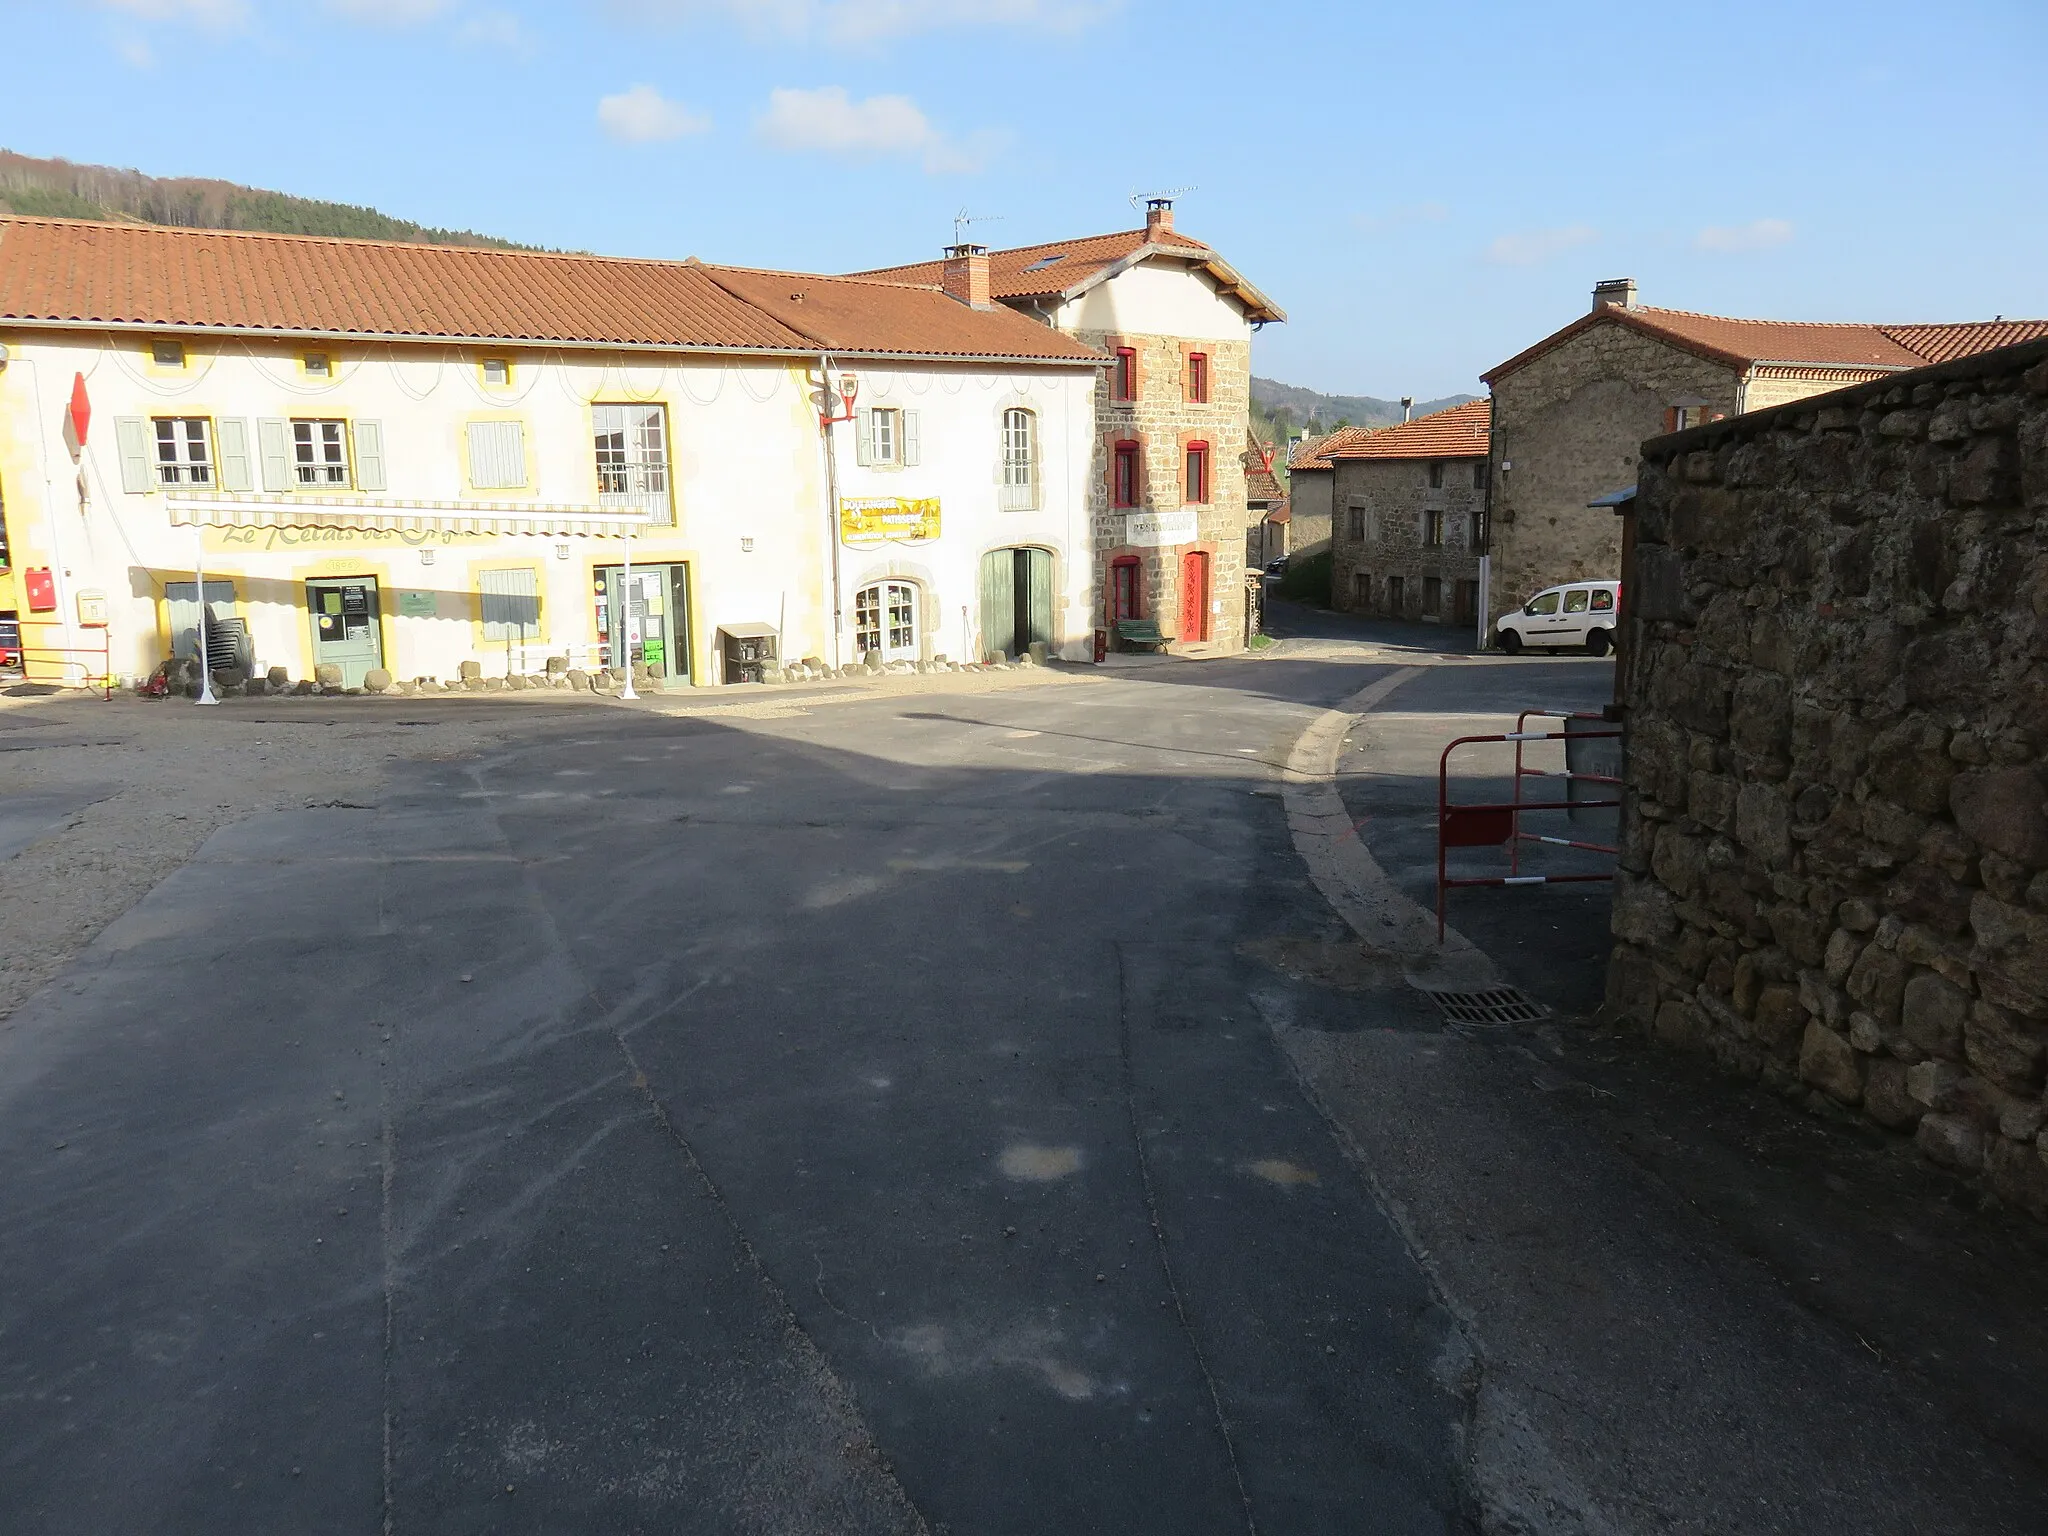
(1020, 461)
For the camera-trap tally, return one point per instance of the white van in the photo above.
(1580, 614)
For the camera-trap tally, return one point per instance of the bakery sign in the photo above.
(866, 520)
(1160, 530)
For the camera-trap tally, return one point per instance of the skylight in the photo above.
(1045, 261)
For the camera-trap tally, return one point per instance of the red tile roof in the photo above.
(1281, 512)
(1314, 452)
(1458, 433)
(80, 273)
(1797, 343)
(1060, 268)
(1260, 483)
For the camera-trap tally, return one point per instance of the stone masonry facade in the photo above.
(1567, 427)
(1834, 873)
(1162, 420)
(1387, 514)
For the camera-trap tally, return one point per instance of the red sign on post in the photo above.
(81, 409)
(41, 589)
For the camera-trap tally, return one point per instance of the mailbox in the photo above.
(92, 607)
(40, 587)
(748, 651)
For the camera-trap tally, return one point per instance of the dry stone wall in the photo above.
(1834, 873)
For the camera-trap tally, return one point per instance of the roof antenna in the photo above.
(963, 218)
(1140, 199)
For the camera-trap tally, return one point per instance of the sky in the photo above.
(1424, 189)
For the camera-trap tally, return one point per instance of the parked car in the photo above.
(1581, 613)
(10, 641)
(1277, 568)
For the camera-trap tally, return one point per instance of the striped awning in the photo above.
(551, 520)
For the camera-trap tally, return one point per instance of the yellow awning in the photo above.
(551, 520)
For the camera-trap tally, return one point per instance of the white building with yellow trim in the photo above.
(408, 457)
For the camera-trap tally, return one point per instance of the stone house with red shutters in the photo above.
(1570, 414)
(1174, 322)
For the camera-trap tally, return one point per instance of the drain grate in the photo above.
(1500, 1005)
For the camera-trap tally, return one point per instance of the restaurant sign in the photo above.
(868, 520)
(1160, 530)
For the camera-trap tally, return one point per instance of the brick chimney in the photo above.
(966, 276)
(1616, 293)
(1158, 217)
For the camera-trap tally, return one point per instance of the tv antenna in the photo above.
(963, 218)
(1140, 199)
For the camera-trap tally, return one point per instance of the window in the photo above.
(1603, 600)
(1396, 586)
(1436, 474)
(1126, 590)
(886, 438)
(497, 371)
(1547, 603)
(1433, 528)
(1196, 488)
(632, 458)
(1198, 378)
(167, 354)
(1432, 596)
(1123, 377)
(1361, 591)
(1475, 534)
(497, 455)
(1679, 417)
(1127, 488)
(1482, 475)
(320, 452)
(510, 603)
(1577, 600)
(319, 366)
(1354, 524)
(1020, 461)
(885, 620)
(183, 454)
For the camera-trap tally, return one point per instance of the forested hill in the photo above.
(60, 189)
(1294, 409)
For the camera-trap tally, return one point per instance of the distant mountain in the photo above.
(60, 189)
(1290, 408)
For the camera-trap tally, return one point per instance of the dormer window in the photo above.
(319, 366)
(497, 371)
(167, 354)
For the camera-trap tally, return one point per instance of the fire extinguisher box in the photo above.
(40, 586)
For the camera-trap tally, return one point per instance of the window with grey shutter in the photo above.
(274, 447)
(497, 455)
(863, 436)
(912, 449)
(233, 433)
(511, 603)
(131, 438)
(369, 436)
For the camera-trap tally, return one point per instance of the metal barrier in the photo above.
(1494, 826)
(103, 679)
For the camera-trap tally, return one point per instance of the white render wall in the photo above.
(1156, 299)
(743, 446)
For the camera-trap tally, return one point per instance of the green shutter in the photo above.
(998, 603)
(233, 435)
(131, 438)
(863, 437)
(911, 448)
(369, 437)
(274, 448)
(1035, 570)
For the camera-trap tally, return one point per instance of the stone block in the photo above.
(469, 670)
(1932, 1012)
(1644, 912)
(557, 666)
(578, 679)
(1681, 1025)
(377, 680)
(1951, 1141)
(1828, 1004)
(1828, 1062)
(278, 677)
(1989, 472)
(1878, 981)
(2003, 809)
(1710, 800)
(1800, 932)
(327, 675)
(1763, 823)
(2007, 1051)
(1760, 717)
(1885, 1098)
(1779, 1016)
(1679, 860)
(1840, 955)
(2018, 1173)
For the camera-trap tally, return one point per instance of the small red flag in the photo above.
(81, 409)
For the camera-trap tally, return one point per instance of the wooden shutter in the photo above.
(232, 435)
(369, 437)
(274, 448)
(131, 438)
(497, 455)
(998, 603)
(511, 603)
(1036, 571)
(863, 436)
(910, 449)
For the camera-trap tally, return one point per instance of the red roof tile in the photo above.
(69, 271)
(1314, 452)
(1940, 343)
(1458, 433)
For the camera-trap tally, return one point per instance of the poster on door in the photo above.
(871, 520)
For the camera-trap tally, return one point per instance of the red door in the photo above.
(1194, 596)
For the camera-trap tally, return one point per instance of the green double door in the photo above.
(1016, 601)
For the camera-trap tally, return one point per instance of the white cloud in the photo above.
(1757, 235)
(220, 14)
(827, 121)
(389, 13)
(868, 21)
(644, 116)
(1536, 246)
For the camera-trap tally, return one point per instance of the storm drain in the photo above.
(1500, 1005)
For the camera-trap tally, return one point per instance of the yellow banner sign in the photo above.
(888, 519)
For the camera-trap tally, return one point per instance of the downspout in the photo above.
(831, 499)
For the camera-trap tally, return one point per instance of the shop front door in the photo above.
(885, 620)
(345, 631)
(657, 630)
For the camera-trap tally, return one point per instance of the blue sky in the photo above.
(1425, 189)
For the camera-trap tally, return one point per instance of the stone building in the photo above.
(1265, 501)
(1409, 525)
(1834, 872)
(1175, 322)
(1570, 413)
(1311, 488)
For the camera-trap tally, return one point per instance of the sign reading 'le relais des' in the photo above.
(1160, 530)
(888, 519)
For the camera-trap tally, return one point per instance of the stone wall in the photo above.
(1378, 531)
(1162, 419)
(1835, 852)
(1567, 427)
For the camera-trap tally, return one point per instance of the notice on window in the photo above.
(1160, 530)
(870, 520)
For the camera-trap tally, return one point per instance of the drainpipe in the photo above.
(831, 497)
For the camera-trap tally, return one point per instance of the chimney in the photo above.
(1615, 292)
(1158, 217)
(1407, 408)
(966, 276)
